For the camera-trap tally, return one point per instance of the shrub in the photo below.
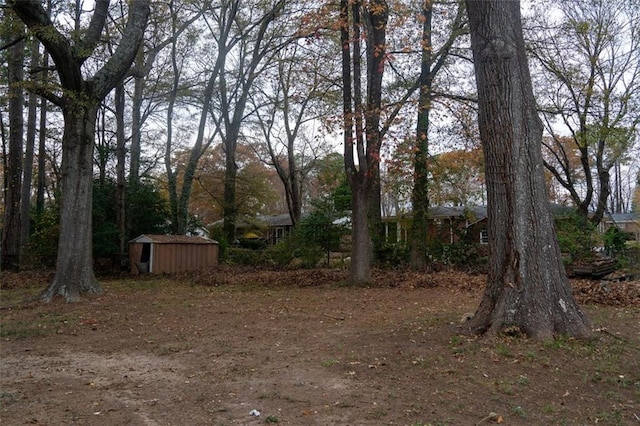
(393, 254)
(244, 256)
(576, 237)
(614, 241)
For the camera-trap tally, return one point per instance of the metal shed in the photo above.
(159, 254)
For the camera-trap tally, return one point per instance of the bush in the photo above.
(244, 256)
(614, 241)
(393, 254)
(43, 242)
(576, 237)
(294, 251)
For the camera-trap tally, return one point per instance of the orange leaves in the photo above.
(378, 8)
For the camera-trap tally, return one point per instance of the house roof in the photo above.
(172, 239)
(621, 217)
(276, 220)
(259, 221)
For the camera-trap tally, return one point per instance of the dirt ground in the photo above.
(303, 349)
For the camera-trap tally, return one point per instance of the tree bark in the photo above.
(230, 209)
(172, 179)
(25, 197)
(194, 157)
(42, 148)
(121, 180)
(136, 123)
(527, 287)
(258, 49)
(10, 253)
(74, 265)
(432, 62)
(376, 16)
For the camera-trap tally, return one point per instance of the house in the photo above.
(267, 229)
(629, 223)
(159, 254)
(449, 225)
(277, 227)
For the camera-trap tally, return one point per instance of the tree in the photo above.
(527, 288)
(165, 15)
(79, 98)
(362, 131)
(457, 178)
(256, 187)
(328, 174)
(250, 36)
(179, 199)
(10, 252)
(432, 62)
(590, 76)
(298, 96)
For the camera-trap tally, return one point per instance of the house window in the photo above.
(279, 234)
(484, 237)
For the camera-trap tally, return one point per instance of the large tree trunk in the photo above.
(527, 287)
(361, 243)
(74, 265)
(10, 252)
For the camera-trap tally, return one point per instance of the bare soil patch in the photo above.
(302, 348)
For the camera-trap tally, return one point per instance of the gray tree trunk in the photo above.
(136, 123)
(74, 265)
(42, 139)
(527, 287)
(10, 253)
(27, 176)
(361, 242)
(121, 180)
(432, 62)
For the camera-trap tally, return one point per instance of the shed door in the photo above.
(146, 252)
(144, 265)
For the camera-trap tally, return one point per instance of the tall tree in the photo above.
(27, 177)
(247, 39)
(362, 132)
(432, 62)
(10, 253)
(527, 287)
(79, 98)
(172, 20)
(42, 138)
(295, 96)
(179, 197)
(589, 54)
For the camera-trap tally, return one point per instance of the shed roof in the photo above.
(172, 239)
